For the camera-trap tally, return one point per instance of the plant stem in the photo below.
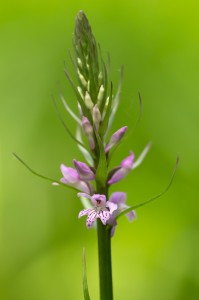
(105, 268)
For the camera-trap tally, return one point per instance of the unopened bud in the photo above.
(115, 138)
(84, 171)
(79, 62)
(82, 79)
(88, 101)
(88, 131)
(100, 95)
(105, 108)
(96, 117)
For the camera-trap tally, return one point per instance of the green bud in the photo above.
(86, 55)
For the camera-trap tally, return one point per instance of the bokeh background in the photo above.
(41, 239)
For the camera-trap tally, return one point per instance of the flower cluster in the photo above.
(97, 106)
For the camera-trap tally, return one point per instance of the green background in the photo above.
(41, 239)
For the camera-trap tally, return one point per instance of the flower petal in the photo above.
(92, 216)
(84, 212)
(115, 138)
(131, 215)
(118, 175)
(70, 174)
(84, 195)
(99, 198)
(112, 206)
(104, 215)
(118, 197)
(83, 170)
(127, 163)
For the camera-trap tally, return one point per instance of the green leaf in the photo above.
(101, 173)
(65, 126)
(80, 100)
(39, 175)
(155, 197)
(85, 284)
(115, 101)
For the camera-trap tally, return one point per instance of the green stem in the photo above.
(104, 255)
(105, 268)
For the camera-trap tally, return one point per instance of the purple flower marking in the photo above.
(102, 209)
(124, 168)
(115, 138)
(83, 170)
(119, 198)
(72, 178)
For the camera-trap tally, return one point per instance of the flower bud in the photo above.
(96, 117)
(88, 101)
(79, 62)
(82, 79)
(83, 170)
(72, 178)
(123, 170)
(100, 95)
(88, 131)
(115, 138)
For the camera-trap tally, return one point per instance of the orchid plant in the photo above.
(97, 106)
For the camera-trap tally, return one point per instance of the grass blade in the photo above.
(85, 283)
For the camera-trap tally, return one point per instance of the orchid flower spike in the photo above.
(72, 178)
(119, 198)
(122, 171)
(102, 209)
(115, 138)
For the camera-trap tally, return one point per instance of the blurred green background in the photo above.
(41, 239)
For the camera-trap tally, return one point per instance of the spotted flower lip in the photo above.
(83, 170)
(71, 177)
(115, 138)
(102, 209)
(124, 168)
(119, 198)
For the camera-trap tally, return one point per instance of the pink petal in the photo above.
(83, 212)
(112, 206)
(70, 174)
(118, 175)
(131, 215)
(128, 161)
(104, 215)
(84, 195)
(99, 197)
(118, 197)
(115, 138)
(92, 216)
(82, 186)
(84, 171)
